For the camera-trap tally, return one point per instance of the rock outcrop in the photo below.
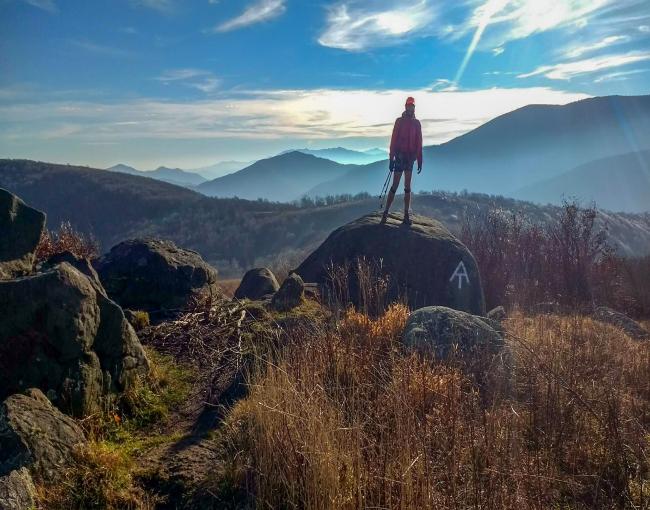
(66, 337)
(256, 284)
(17, 491)
(290, 294)
(36, 435)
(632, 328)
(423, 262)
(20, 231)
(154, 275)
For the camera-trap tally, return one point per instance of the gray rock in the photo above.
(36, 435)
(20, 231)
(497, 314)
(155, 275)
(445, 332)
(257, 283)
(63, 335)
(465, 341)
(17, 491)
(632, 328)
(423, 262)
(290, 294)
(81, 264)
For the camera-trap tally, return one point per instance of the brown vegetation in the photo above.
(67, 239)
(568, 261)
(346, 420)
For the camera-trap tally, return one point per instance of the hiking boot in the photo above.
(407, 220)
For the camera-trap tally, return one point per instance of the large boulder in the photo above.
(36, 435)
(62, 334)
(256, 284)
(20, 231)
(17, 491)
(290, 294)
(423, 262)
(155, 275)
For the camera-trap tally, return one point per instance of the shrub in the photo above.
(566, 260)
(67, 239)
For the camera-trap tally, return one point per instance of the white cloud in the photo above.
(260, 11)
(644, 29)
(257, 115)
(355, 28)
(603, 43)
(46, 5)
(518, 19)
(619, 76)
(498, 51)
(199, 79)
(568, 70)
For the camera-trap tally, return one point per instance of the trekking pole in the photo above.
(384, 189)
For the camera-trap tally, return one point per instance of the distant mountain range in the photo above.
(162, 173)
(614, 183)
(220, 169)
(281, 178)
(512, 155)
(345, 156)
(235, 234)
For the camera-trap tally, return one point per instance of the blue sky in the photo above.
(191, 82)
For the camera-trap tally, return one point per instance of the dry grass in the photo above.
(346, 420)
(228, 287)
(101, 478)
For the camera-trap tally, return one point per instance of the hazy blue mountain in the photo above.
(220, 169)
(162, 173)
(617, 183)
(125, 169)
(519, 148)
(346, 156)
(281, 178)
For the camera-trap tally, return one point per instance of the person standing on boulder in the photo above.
(405, 149)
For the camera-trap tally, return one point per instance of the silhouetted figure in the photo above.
(405, 149)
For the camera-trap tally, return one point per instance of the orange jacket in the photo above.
(407, 138)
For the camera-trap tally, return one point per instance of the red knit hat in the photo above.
(409, 101)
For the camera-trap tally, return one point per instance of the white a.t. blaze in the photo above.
(460, 273)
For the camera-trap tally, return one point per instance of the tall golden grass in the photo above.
(345, 419)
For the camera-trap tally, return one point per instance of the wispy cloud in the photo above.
(199, 79)
(163, 6)
(568, 70)
(484, 14)
(519, 19)
(620, 76)
(304, 114)
(261, 10)
(46, 5)
(101, 49)
(590, 48)
(354, 27)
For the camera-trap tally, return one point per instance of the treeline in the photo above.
(307, 201)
